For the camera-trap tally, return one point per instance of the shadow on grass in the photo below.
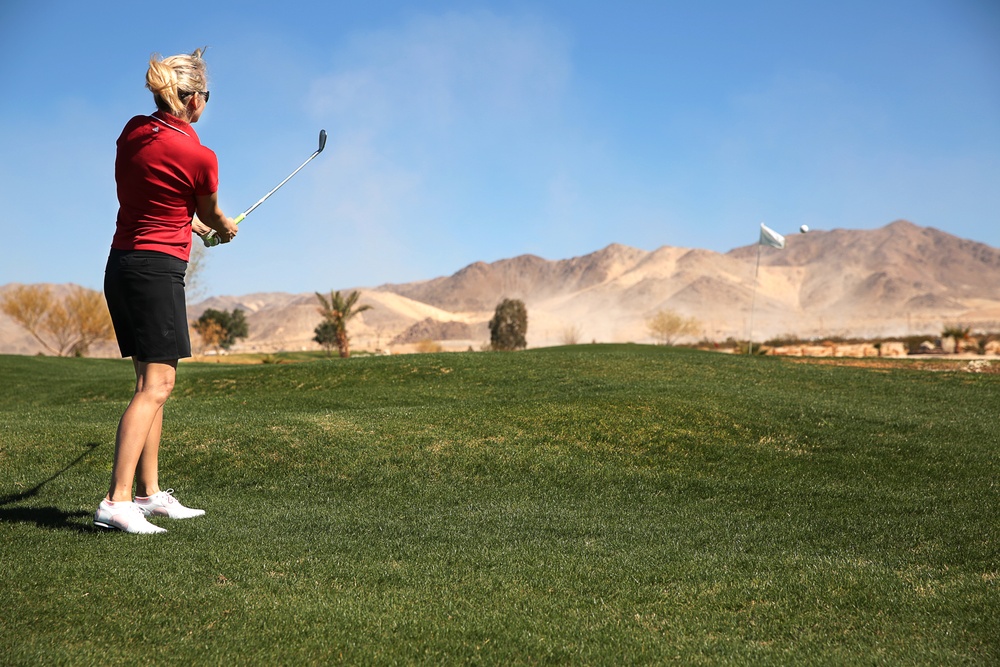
(46, 517)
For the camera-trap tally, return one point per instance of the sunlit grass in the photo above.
(591, 504)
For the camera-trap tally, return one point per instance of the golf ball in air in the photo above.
(804, 228)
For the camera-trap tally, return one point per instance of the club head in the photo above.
(322, 141)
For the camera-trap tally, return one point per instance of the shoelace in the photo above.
(169, 496)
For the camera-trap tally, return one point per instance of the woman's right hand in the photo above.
(210, 214)
(228, 231)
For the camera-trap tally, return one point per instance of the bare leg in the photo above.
(140, 429)
(147, 474)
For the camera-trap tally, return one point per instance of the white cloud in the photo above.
(439, 71)
(420, 118)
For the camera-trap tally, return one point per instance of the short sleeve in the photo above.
(207, 174)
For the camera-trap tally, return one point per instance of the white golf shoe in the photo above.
(163, 503)
(124, 516)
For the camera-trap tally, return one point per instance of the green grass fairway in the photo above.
(584, 505)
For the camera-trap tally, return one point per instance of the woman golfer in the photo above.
(164, 176)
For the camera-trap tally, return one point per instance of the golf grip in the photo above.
(212, 239)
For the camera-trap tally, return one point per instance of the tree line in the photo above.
(72, 324)
(69, 325)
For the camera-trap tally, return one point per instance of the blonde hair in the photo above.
(175, 77)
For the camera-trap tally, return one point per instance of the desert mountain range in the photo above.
(900, 279)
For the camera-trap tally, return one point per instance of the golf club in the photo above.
(211, 239)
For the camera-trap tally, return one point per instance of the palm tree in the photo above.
(337, 310)
(958, 332)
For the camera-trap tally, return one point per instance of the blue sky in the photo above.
(469, 130)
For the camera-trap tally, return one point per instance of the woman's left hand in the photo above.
(199, 227)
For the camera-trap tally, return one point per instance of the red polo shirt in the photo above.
(160, 168)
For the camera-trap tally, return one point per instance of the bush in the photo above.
(220, 329)
(428, 346)
(571, 335)
(509, 326)
(326, 335)
(666, 326)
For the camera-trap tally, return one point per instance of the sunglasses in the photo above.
(204, 93)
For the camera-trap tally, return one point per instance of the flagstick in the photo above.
(775, 240)
(753, 302)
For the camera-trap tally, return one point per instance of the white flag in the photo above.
(770, 237)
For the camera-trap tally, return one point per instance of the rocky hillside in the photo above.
(896, 280)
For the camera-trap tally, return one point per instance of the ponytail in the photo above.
(174, 78)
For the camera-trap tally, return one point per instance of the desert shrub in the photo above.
(428, 346)
(666, 326)
(571, 335)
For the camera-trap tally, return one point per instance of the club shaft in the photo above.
(212, 239)
(287, 178)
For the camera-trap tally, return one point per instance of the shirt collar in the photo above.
(175, 123)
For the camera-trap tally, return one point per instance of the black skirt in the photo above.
(145, 293)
